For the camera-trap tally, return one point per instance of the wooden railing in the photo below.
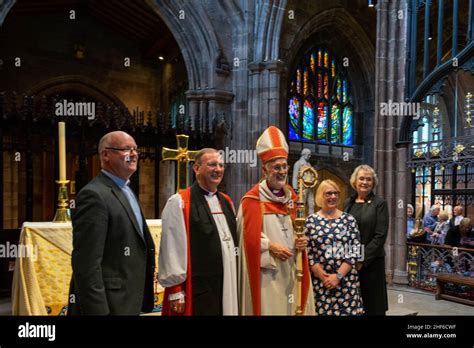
(425, 261)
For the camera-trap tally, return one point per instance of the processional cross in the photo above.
(183, 156)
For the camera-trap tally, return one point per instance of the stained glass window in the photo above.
(305, 83)
(347, 126)
(294, 111)
(308, 120)
(320, 86)
(339, 89)
(327, 115)
(313, 62)
(322, 121)
(344, 91)
(326, 87)
(335, 124)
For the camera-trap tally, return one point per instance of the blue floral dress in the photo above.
(332, 242)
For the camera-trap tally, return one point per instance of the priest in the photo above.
(198, 255)
(268, 243)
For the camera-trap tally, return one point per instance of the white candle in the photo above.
(62, 150)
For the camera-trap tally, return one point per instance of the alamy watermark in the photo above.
(400, 109)
(239, 156)
(344, 251)
(78, 109)
(10, 250)
(37, 331)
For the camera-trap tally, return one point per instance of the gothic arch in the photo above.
(338, 30)
(5, 7)
(268, 24)
(195, 36)
(343, 31)
(77, 83)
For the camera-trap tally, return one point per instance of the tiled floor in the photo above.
(402, 301)
(409, 301)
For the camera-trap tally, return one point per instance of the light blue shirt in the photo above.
(429, 221)
(410, 225)
(132, 200)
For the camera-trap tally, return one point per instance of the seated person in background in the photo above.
(461, 235)
(441, 229)
(430, 220)
(410, 220)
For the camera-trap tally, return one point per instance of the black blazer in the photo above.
(113, 265)
(373, 226)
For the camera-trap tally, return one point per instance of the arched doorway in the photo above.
(324, 174)
(119, 56)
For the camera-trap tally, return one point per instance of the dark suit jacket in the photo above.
(372, 220)
(373, 226)
(113, 265)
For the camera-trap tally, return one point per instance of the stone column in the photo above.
(400, 275)
(389, 162)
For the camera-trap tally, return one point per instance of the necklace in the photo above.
(281, 219)
(221, 228)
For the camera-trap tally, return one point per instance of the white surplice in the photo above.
(173, 250)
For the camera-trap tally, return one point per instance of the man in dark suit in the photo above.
(113, 258)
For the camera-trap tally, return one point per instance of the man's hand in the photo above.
(177, 306)
(301, 243)
(359, 266)
(279, 251)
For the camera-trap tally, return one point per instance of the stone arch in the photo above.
(339, 30)
(268, 24)
(339, 177)
(195, 36)
(340, 26)
(5, 7)
(78, 84)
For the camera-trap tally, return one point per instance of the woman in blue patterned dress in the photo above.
(333, 249)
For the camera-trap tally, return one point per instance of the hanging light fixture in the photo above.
(469, 108)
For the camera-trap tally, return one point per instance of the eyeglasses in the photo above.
(278, 168)
(125, 150)
(214, 165)
(331, 193)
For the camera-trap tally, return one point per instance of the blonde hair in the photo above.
(443, 216)
(322, 187)
(365, 168)
(466, 222)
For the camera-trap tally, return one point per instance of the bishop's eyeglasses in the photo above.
(126, 150)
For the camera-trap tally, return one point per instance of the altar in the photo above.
(43, 268)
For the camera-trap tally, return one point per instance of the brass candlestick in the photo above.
(63, 213)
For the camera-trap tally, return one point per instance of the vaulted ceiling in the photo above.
(133, 19)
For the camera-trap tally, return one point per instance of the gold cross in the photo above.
(183, 156)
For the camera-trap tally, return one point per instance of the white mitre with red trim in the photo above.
(272, 144)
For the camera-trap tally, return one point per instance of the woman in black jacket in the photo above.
(371, 214)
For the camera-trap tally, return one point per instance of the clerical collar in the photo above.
(278, 193)
(206, 192)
